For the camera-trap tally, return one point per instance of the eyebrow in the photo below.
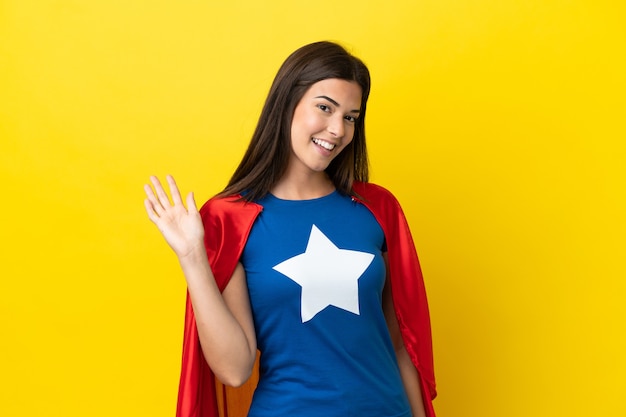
(337, 104)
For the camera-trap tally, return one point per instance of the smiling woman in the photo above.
(322, 127)
(303, 260)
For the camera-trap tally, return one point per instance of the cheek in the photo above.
(302, 123)
(350, 131)
(346, 142)
(312, 123)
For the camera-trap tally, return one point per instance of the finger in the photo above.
(152, 215)
(153, 200)
(174, 190)
(191, 203)
(160, 192)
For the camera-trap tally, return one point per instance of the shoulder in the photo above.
(220, 207)
(220, 204)
(374, 193)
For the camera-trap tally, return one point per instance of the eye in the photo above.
(350, 119)
(324, 107)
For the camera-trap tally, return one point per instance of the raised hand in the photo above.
(181, 226)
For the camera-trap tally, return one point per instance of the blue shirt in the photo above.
(315, 275)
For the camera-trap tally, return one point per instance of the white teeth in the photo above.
(326, 145)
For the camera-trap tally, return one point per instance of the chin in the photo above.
(319, 169)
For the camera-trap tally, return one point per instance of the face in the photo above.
(323, 124)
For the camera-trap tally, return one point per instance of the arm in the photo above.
(224, 320)
(409, 375)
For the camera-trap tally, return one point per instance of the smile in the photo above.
(326, 145)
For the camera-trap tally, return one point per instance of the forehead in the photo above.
(344, 92)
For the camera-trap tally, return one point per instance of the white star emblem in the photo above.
(328, 275)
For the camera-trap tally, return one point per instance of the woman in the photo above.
(303, 259)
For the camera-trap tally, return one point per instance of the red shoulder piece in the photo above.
(227, 223)
(407, 284)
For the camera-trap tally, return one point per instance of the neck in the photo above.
(303, 187)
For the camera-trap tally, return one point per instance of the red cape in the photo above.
(227, 223)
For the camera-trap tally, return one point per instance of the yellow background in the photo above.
(499, 124)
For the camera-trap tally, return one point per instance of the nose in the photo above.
(336, 126)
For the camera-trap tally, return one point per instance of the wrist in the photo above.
(196, 253)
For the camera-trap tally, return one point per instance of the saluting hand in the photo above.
(181, 226)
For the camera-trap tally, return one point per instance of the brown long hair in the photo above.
(268, 153)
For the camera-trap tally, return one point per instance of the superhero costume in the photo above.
(228, 221)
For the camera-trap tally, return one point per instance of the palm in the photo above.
(181, 226)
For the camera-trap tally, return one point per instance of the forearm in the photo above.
(410, 379)
(224, 320)
(226, 348)
(409, 375)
